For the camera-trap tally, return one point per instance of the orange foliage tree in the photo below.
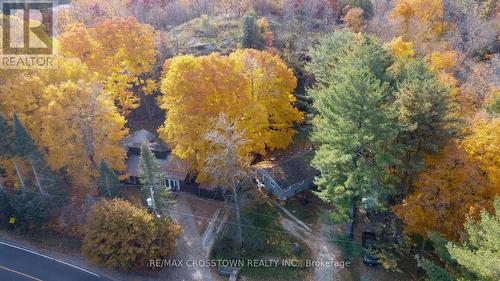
(451, 188)
(253, 88)
(121, 51)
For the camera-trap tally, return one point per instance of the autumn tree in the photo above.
(121, 51)
(482, 146)
(121, 235)
(226, 166)
(83, 120)
(401, 49)
(430, 14)
(450, 187)
(353, 125)
(354, 20)
(266, 32)
(254, 89)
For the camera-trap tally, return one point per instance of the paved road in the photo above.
(19, 264)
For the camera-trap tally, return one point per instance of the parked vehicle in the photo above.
(368, 241)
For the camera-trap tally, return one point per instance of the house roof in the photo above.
(137, 138)
(172, 167)
(290, 171)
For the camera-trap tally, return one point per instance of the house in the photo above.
(286, 178)
(174, 169)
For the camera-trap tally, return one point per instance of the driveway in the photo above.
(188, 246)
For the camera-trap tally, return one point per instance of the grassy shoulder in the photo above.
(264, 241)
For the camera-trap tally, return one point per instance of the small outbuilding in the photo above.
(286, 178)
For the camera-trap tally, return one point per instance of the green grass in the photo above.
(265, 240)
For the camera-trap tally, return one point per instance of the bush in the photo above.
(118, 234)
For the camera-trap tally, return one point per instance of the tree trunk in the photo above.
(238, 218)
(18, 173)
(37, 180)
(153, 201)
(147, 106)
(107, 185)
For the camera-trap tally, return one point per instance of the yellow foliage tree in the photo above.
(80, 127)
(253, 88)
(401, 49)
(424, 17)
(120, 50)
(442, 63)
(451, 188)
(69, 117)
(483, 145)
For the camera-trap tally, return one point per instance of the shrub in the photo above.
(118, 234)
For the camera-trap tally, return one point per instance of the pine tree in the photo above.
(252, 33)
(108, 181)
(480, 251)
(424, 116)
(355, 122)
(6, 140)
(434, 271)
(25, 147)
(152, 180)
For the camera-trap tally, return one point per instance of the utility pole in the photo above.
(153, 201)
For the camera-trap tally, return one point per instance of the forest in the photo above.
(398, 102)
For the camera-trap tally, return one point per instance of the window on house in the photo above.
(172, 184)
(273, 184)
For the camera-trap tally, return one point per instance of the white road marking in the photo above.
(50, 258)
(20, 273)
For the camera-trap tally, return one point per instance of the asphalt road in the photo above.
(19, 264)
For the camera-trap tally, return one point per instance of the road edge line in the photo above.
(50, 258)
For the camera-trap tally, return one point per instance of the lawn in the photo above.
(264, 239)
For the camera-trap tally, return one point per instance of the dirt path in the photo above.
(321, 249)
(188, 247)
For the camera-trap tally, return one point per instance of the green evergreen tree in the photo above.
(6, 140)
(24, 144)
(326, 56)
(252, 34)
(479, 253)
(152, 180)
(7, 149)
(425, 120)
(26, 148)
(434, 271)
(355, 121)
(108, 181)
